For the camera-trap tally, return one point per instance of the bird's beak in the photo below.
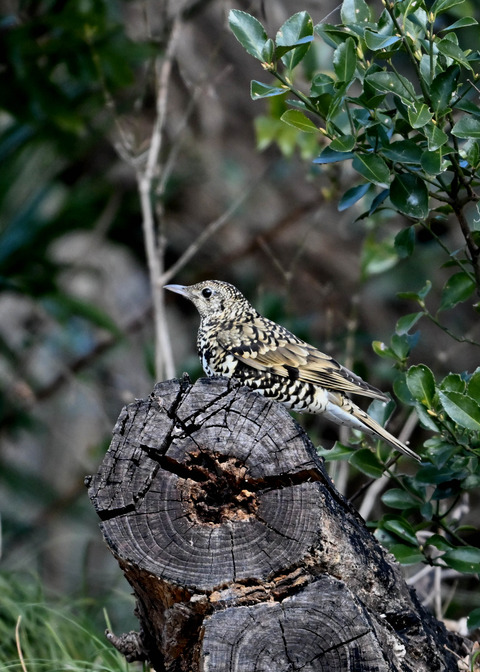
(178, 289)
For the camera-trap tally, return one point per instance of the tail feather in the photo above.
(373, 427)
(344, 411)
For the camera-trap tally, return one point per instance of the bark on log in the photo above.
(242, 555)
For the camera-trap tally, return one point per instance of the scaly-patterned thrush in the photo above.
(235, 341)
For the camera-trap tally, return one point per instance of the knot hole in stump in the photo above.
(219, 490)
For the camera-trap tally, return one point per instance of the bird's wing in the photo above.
(267, 346)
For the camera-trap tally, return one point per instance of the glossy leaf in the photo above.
(436, 137)
(345, 60)
(406, 555)
(297, 31)
(440, 6)
(409, 195)
(343, 143)
(421, 384)
(351, 196)
(443, 87)
(366, 462)
(461, 408)
(464, 559)
(260, 90)
(453, 51)
(389, 82)
(401, 528)
(330, 156)
(377, 41)
(473, 620)
(373, 168)
(403, 151)
(419, 115)
(459, 287)
(249, 32)
(467, 127)
(355, 11)
(299, 120)
(397, 498)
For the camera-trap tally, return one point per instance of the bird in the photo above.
(236, 341)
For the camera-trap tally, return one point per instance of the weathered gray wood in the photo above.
(241, 554)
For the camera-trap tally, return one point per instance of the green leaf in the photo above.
(355, 11)
(464, 559)
(403, 151)
(343, 143)
(297, 32)
(373, 168)
(367, 462)
(453, 382)
(345, 60)
(397, 498)
(409, 195)
(458, 288)
(249, 32)
(405, 323)
(322, 84)
(299, 120)
(353, 195)
(330, 156)
(406, 555)
(419, 115)
(405, 242)
(440, 6)
(376, 41)
(443, 88)
(421, 383)
(436, 137)
(461, 408)
(473, 620)
(432, 162)
(338, 452)
(439, 542)
(453, 51)
(461, 23)
(260, 90)
(390, 82)
(401, 528)
(467, 127)
(473, 386)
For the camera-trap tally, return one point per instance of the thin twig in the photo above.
(164, 366)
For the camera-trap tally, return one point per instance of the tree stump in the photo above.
(242, 555)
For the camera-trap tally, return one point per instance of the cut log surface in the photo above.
(241, 554)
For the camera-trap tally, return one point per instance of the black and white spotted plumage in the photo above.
(235, 341)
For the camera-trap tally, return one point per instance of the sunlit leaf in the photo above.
(249, 32)
(461, 408)
(421, 384)
(299, 120)
(345, 60)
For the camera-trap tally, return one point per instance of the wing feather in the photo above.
(267, 346)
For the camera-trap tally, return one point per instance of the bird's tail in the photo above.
(344, 411)
(373, 427)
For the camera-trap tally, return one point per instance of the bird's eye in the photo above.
(207, 292)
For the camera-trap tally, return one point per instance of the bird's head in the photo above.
(214, 299)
